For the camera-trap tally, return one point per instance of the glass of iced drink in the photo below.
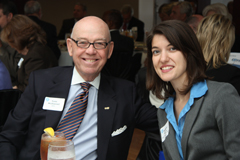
(46, 139)
(61, 150)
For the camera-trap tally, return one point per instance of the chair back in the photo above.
(8, 100)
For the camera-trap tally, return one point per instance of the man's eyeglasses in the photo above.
(86, 44)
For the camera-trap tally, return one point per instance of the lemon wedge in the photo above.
(49, 131)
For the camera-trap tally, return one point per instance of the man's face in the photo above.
(90, 61)
(78, 12)
(4, 19)
(176, 14)
(126, 17)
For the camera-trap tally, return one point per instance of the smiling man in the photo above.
(113, 108)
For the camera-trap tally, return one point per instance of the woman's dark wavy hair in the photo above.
(182, 37)
(22, 32)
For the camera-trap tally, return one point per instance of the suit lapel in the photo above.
(59, 89)
(106, 111)
(189, 122)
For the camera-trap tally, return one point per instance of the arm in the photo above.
(227, 116)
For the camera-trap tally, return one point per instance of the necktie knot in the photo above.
(85, 86)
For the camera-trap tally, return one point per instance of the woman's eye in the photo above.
(173, 49)
(155, 52)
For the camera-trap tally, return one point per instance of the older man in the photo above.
(181, 11)
(79, 11)
(113, 107)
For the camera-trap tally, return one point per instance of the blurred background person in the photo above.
(129, 21)
(24, 35)
(193, 21)
(114, 20)
(34, 11)
(79, 11)
(120, 63)
(218, 8)
(165, 10)
(216, 35)
(9, 56)
(181, 11)
(5, 82)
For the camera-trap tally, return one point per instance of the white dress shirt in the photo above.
(85, 140)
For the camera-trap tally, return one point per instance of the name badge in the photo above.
(20, 62)
(164, 131)
(54, 104)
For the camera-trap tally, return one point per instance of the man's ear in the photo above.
(69, 47)
(111, 46)
(9, 17)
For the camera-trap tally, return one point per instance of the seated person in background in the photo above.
(129, 21)
(119, 64)
(34, 11)
(193, 21)
(219, 8)
(24, 35)
(9, 56)
(113, 110)
(181, 11)
(216, 35)
(199, 117)
(165, 10)
(216, 8)
(114, 21)
(79, 11)
(5, 80)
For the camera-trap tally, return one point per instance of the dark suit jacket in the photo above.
(39, 56)
(122, 43)
(21, 134)
(67, 27)
(51, 33)
(134, 22)
(211, 128)
(226, 73)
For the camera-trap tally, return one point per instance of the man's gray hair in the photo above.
(127, 8)
(185, 7)
(32, 7)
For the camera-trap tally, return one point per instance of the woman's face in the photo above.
(169, 63)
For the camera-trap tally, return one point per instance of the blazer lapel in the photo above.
(106, 111)
(60, 89)
(170, 141)
(189, 122)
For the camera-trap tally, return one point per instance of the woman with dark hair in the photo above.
(25, 36)
(199, 118)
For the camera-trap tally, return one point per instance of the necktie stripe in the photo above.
(74, 116)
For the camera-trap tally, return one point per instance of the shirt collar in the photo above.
(198, 90)
(77, 79)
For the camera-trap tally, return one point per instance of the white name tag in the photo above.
(20, 62)
(54, 104)
(164, 131)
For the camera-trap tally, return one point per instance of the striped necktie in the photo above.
(74, 116)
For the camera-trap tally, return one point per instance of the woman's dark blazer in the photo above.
(38, 57)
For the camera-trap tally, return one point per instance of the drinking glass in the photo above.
(46, 139)
(61, 150)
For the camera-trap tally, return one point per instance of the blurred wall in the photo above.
(55, 11)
